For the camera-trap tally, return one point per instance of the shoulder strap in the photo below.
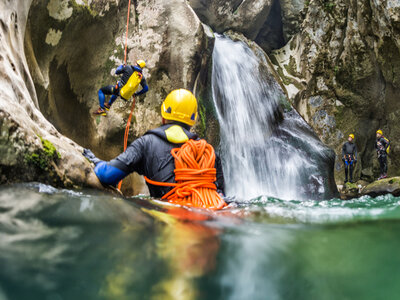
(173, 133)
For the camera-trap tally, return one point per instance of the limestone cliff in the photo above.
(31, 148)
(73, 49)
(342, 72)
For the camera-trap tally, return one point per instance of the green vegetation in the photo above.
(350, 186)
(42, 158)
(202, 126)
(78, 8)
(285, 104)
(329, 6)
(287, 80)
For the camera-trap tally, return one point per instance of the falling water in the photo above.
(264, 151)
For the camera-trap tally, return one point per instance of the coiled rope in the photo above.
(195, 175)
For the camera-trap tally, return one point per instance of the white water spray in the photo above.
(262, 154)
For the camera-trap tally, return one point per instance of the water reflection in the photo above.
(58, 244)
(189, 248)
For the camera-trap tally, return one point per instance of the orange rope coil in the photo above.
(195, 175)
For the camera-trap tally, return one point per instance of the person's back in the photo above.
(150, 155)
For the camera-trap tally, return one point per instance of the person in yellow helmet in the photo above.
(114, 90)
(382, 146)
(150, 155)
(349, 157)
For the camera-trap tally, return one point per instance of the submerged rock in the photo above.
(383, 186)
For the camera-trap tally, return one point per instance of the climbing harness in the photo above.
(195, 175)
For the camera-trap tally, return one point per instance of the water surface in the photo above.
(62, 244)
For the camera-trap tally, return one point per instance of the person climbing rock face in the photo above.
(349, 157)
(382, 146)
(150, 155)
(131, 77)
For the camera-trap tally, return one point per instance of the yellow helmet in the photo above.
(351, 135)
(380, 132)
(141, 63)
(180, 105)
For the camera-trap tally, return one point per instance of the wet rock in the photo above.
(367, 174)
(292, 17)
(347, 54)
(258, 20)
(384, 186)
(32, 149)
(349, 191)
(222, 15)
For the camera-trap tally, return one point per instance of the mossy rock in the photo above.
(384, 186)
(43, 158)
(349, 191)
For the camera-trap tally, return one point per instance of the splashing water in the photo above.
(263, 153)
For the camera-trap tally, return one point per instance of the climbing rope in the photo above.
(195, 175)
(128, 124)
(126, 135)
(126, 34)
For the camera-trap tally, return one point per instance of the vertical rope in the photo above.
(126, 135)
(133, 102)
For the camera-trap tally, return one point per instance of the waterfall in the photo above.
(264, 151)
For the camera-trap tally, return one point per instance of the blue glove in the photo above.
(90, 156)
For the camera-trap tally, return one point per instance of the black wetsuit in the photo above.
(150, 155)
(349, 157)
(381, 146)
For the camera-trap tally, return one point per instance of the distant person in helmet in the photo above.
(382, 146)
(115, 90)
(150, 155)
(349, 157)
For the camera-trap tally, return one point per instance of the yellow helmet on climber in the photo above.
(379, 132)
(141, 63)
(351, 135)
(180, 105)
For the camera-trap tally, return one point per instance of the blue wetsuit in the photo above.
(114, 90)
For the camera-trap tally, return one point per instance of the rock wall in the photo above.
(258, 20)
(32, 149)
(73, 49)
(342, 73)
